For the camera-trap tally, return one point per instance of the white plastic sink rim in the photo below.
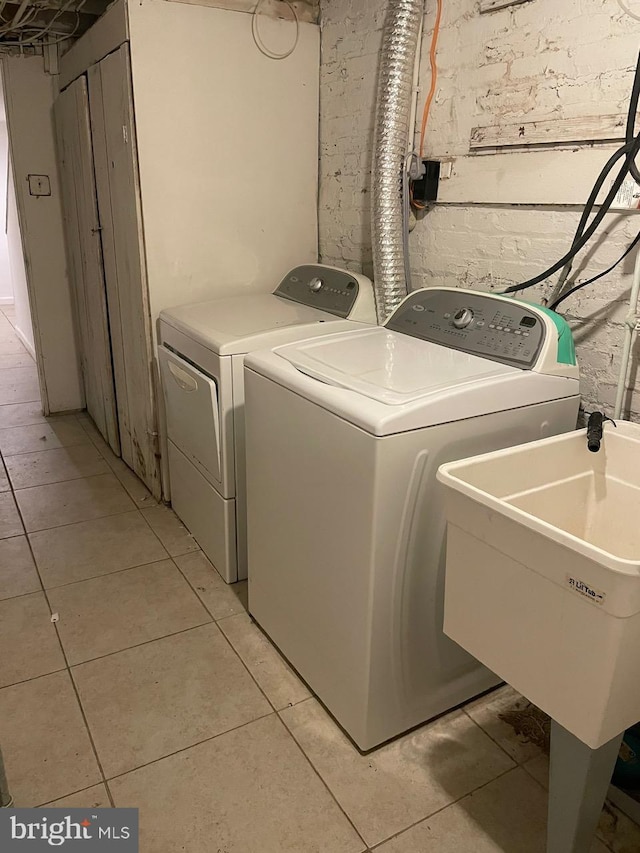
(612, 562)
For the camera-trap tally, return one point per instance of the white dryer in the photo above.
(201, 351)
(344, 437)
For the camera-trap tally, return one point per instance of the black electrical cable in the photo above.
(581, 236)
(586, 213)
(582, 284)
(589, 205)
(633, 169)
(631, 152)
(631, 118)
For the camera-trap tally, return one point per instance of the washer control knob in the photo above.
(462, 318)
(316, 284)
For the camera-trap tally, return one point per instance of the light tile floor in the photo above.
(154, 689)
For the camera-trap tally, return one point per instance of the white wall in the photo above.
(22, 321)
(206, 97)
(6, 287)
(509, 215)
(29, 94)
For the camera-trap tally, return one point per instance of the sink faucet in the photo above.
(595, 426)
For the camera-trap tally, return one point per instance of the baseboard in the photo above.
(6, 300)
(25, 343)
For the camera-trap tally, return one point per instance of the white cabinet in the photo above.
(206, 187)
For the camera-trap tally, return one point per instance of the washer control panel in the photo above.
(331, 290)
(482, 324)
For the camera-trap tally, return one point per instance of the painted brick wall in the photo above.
(541, 59)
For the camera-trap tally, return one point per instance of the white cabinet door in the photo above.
(84, 256)
(118, 186)
(193, 413)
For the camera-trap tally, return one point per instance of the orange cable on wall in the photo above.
(434, 77)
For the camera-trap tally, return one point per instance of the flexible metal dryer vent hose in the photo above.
(393, 109)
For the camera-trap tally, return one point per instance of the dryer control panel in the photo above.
(482, 324)
(327, 288)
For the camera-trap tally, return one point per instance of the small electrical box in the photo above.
(425, 189)
(39, 184)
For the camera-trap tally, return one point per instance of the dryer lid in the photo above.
(391, 368)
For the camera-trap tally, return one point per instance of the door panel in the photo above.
(193, 412)
(117, 180)
(84, 249)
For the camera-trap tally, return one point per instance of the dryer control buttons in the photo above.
(331, 290)
(462, 318)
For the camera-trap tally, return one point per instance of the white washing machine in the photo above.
(344, 437)
(201, 352)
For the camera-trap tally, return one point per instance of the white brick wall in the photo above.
(542, 59)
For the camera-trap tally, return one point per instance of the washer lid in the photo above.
(239, 324)
(386, 382)
(391, 368)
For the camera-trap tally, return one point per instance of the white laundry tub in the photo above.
(543, 574)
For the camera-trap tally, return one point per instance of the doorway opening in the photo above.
(19, 383)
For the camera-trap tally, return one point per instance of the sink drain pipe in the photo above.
(393, 110)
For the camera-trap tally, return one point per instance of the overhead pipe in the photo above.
(393, 109)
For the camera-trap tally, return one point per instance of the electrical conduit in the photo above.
(632, 324)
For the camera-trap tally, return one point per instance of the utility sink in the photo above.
(543, 574)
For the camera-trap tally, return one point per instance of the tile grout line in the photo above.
(56, 526)
(317, 773)
(144, 643)
(100, 450)
(243, 612)
(104, 574)
(68, 668)
(516, 763)
(222, 633)
(72, 794)
(44, 449)
(73, 523)
(275, 710)
(378, 844)
(195, 550)
(88, 477)
(71, 479)
(531, 776)
(34, 677)
(190, 746)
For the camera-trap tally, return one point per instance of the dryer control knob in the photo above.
(316, 284)
(462, 318)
